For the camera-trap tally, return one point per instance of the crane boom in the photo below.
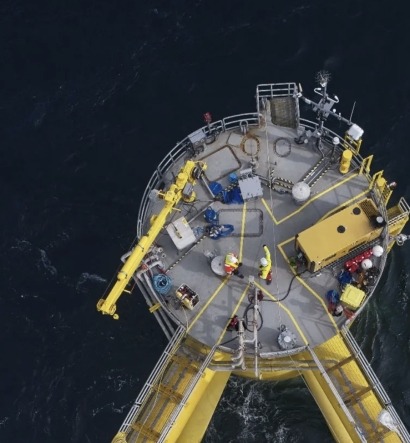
(189, 172)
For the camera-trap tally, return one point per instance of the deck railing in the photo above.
(181, 149)
(247, 120)
(337, 395)
(187, 393)
(374, 382)
(404, 211)
(270, 90)
(153, 378)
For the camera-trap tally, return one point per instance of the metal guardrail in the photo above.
(337, 395)
(282, 353)
(188, 392)
(181, 148)
(404, 208)
(268, 91)
(375, 382)
(152, 379)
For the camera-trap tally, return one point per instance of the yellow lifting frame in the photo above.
(187, 174)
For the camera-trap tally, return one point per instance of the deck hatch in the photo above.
(221, 163)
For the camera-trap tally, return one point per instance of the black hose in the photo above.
(290, 286)
(245, 318)
(228, 341)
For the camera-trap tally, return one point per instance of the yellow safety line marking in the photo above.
(208, 303)
(227, 278)
(233, 313)
(285, 309)
(242, 231)
(286, 242)
(269, 211)
(301, 281)
(321, 301)
(317, 196)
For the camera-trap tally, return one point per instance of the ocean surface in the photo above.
(93, 95)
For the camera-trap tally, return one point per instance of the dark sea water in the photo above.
(93, 95)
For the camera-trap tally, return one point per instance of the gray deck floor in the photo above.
(273, 220)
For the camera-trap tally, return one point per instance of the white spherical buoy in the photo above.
(366, 264)
(377, 251)
(300, 192)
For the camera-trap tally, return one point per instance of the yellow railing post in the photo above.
(366, 163)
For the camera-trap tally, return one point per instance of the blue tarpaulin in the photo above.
(227, 197)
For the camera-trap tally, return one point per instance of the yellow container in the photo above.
(345, 161)
(381, 183)
(352, 297)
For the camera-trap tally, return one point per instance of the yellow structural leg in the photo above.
(194, 418)
(328, 409)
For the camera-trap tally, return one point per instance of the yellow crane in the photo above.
(181, 189)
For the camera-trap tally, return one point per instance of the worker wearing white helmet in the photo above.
(266, 266)
(232, 264)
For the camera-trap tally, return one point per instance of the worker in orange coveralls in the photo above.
(232, 264)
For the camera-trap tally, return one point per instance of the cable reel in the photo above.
(249, 137)
(198, 170)
(282, 147)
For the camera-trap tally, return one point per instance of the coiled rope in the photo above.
(162, 283)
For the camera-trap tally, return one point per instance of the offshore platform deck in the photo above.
(265, 181)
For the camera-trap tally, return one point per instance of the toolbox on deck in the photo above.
(352, 297)
(188, 297)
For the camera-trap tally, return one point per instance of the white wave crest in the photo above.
(86, 278)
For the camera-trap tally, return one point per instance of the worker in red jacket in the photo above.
(265, 267)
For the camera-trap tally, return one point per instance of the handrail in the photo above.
(179, 150)
(188, 392)
(266, 91)
(336, 394)
(271, 90)
(153, 378)
(374, 381)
